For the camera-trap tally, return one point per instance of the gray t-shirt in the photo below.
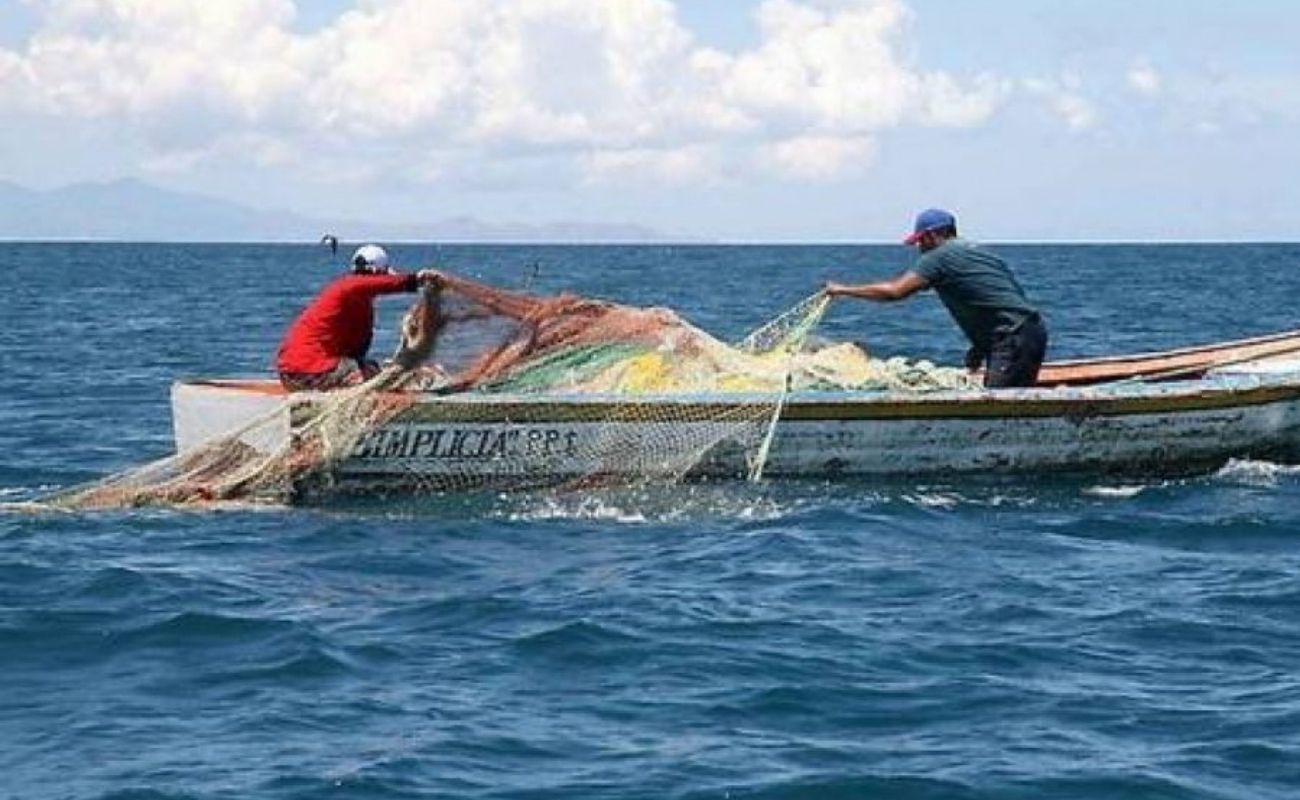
(978, 289)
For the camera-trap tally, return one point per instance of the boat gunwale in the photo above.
(971, 404)
(1070, 402)
(1070, 373)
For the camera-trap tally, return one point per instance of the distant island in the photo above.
(132, 210)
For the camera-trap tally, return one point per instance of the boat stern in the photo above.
(204, 410)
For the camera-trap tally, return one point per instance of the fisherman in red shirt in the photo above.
(326, 346)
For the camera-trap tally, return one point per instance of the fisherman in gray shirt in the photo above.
(1006, 332)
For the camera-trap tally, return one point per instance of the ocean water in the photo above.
(990, 638)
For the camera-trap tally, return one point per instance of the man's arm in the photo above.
(390, 283)
(395, 282)
(899, 287)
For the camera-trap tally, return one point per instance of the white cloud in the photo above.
(620, 87)
(1078, 113)
(832, 69)
(258, 150)
(819, 158)
(947, 103)
(12, 82)
(835, 66)
(676, 166)
(137, 57)
(1143, 79)
(1063, 99)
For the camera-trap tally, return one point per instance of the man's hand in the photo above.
(429, 277)
(833, 289)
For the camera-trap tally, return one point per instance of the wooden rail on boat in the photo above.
(1190, 362)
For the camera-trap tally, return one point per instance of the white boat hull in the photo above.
(461, 441)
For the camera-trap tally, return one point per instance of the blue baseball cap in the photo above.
(929, 220)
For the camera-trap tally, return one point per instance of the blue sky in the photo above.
(750, 120)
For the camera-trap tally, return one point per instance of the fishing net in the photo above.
(279, 456)
(504, 389)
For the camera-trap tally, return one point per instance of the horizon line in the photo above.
(692, 242)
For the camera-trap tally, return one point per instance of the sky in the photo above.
(730, 120)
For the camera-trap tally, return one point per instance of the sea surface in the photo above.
(986, 638)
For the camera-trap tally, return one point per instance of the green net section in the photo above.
(499, 389)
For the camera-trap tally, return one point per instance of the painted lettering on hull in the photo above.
(465, 444)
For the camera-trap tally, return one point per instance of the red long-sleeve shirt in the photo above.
(339, 323)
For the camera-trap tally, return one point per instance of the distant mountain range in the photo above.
(131, 210)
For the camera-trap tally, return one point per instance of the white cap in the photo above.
(371, 258)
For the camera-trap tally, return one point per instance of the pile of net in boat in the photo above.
(472, 341)
(494, 341)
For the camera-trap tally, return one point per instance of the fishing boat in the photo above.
(1155, 413)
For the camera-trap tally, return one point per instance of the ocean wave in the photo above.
(190, 628)
(113, 582)
(580, 640)
(146, 793)
(309, 664)
(901, 787)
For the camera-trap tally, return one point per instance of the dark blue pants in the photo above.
(1014, 358)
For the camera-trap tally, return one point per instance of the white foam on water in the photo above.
(28, 491)
(1255, 473)
(21, 507)
(550, 508)
(245, 507)
(934, 499)
(1115, 492)
(976, 496)
(26, 499)
(632, 507)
